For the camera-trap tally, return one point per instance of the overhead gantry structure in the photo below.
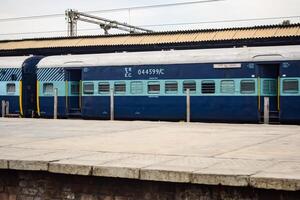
(73, 16)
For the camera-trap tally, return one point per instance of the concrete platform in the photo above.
(261, 156)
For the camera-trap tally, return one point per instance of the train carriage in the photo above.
(17, 84)
(49, 79)
(10, 81)
(224, 84)
(289, 93)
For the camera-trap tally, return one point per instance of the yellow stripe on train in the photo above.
(20, 99)
(38, 98)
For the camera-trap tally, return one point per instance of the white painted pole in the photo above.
(188, 106)
(112, 104)
(55, 103)
(3, 108)
(7, 108)
(266, 110)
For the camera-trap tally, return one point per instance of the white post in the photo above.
(55, 103)
(112, 104)
(266, 109)
(7, 108)
(3, 108)
(188, 106)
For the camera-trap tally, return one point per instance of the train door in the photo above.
(29, 87)
(269, 77)
(73, 92)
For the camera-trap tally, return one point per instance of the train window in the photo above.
(103, 87)
(208, 87)
(75, 89)
(10, 88)
(88, 88)
(153, 87)
(189, 85)
(247, 87)
(171, 87)
(227, 86)
(290, 86)
(48, 88)
(136, 87)
(269, 87)
(120, 87)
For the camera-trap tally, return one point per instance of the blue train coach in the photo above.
(17, 84)
(225, 84)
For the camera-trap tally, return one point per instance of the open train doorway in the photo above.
(269, 79)
(73, 90)
(28, 97)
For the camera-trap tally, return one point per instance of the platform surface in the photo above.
(261, 156)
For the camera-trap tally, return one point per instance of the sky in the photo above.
(202, 12)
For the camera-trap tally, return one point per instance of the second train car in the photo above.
(225, 84)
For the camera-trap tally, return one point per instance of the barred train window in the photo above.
(48, 88)
(136, 87)
(11, 88)
(103, 87)
(88, 88)
(227, 86)
(120, 87)
(208, 87)
(189, 85)
(247, 87)
(269, 87)
(290, 86)
(153, 87)
(171, 87)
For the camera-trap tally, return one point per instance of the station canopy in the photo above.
(157, 38)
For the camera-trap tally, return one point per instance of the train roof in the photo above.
(224, 55)
(12, 62)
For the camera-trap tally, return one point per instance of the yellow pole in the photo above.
(21, 99)
(38, 98)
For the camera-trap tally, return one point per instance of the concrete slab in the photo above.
(284, 147)
(261, 156)
(3, 164)
(283, 175)
(129, 167)
(178, 170)
(82, 165)
(28, 165)
(230, 172)
(66, 167)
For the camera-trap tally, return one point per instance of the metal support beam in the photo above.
(266, 110)
(112, 104)
(72, 16)
(7, 108)
(188, 106)
(3, 104)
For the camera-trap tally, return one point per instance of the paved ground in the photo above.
(261, 156)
